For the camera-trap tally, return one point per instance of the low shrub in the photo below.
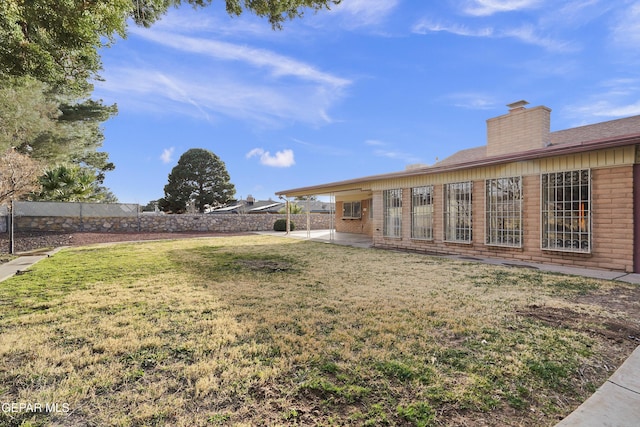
(281, 225)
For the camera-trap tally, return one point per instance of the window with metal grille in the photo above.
(566, 211)
(504, 212)
(457, 212)
(351, 210)
(392, 208)
(422, 212)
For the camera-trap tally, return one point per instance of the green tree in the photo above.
(51, 128)
(57, 41)
(71, 183)
(293, 209)
(26, 113)
(200, 179)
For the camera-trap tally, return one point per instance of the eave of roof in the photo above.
(550, 151)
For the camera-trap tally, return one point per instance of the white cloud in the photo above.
(219, 79)
(279, 65)
(195, 94)
(282, 159)
(607, 109)
(526, 33)
(626, 31)
(490, 7)
(361, 13)
(425, 26)
(529, 35)
(617, 99)
(167, 155)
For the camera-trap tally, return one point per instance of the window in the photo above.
(370, 208)
(504, 212)
(566, 211)
(457, 212)
(422, 212)
(392, 206)
(351, 210)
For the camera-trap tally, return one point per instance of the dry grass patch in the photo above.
(259, 330)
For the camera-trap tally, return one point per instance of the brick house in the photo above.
(568, 197)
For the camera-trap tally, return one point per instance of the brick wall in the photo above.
(520, 130)
(612, 225)
(363, 225)
(166, 223)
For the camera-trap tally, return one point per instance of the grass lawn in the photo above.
(260, 330)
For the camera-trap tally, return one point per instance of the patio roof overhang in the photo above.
(347, 191)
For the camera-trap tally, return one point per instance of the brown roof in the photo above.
(464, 156)
(613, 133)
(581, 134)
(604, 130)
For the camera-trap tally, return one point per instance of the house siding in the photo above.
(362, 225)
(612, 207)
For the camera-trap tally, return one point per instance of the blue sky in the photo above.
(367, 88)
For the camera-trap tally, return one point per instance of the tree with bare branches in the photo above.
(18, 175)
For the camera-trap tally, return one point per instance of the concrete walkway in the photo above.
(615, 404)
(22, 263)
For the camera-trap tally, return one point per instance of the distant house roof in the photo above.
(250, 205)
(227, 209)
(271, 206)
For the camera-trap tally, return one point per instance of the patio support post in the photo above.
(288, 216)
(308, 217)
(332, 213)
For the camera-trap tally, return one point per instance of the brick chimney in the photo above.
(522, 129)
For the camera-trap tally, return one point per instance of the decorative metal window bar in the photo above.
(566, 211)
(392, 208)
(457, 212)
(504, 212)
(422, 212)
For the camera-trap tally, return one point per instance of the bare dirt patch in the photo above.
(270, 266)
(623, 331)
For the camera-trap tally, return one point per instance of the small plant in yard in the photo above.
(262, 330)
(281, 225)
(419, 414)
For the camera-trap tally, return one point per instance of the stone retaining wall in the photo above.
(223, 223)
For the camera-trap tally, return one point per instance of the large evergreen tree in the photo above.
(49, 53)
(200, 179)
(51, 128)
